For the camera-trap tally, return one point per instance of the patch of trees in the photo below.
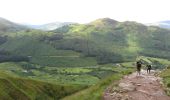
(3, 52)
(155, 55)
(28, 66)
(103, 56)
(63, 29)
(54, 37)
(6, 56)
(13, 58)
(109, 57)
(93, 50)
(3, 39)
(75, 44)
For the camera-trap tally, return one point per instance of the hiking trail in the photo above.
(133, 87)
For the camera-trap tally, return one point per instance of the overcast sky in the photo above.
(83, 11)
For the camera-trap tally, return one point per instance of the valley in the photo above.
(76, 61)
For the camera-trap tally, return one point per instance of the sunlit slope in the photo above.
(118, 41)
(13, 88)
(106, 40)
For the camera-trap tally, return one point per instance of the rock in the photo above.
(127, 86)
(161, 83)
(119, 96)
(150, 83)
(115, 89)
(113, 94)
(138, 84)
(159, 79)
(123, 91)
(145, 87)
(132, 82)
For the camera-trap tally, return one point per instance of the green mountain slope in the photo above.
(104, 39)
(13, 88)
(112, 41)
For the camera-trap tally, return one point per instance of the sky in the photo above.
(84, 11)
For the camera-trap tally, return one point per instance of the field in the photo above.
(88, 75)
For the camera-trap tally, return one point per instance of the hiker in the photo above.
(138, 66)
(149, 68)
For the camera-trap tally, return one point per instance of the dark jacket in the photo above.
(149, 66)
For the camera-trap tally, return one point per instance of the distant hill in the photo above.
(49, 26)
(162, 24)
(110, 40)
(105, 39)
(8, 26)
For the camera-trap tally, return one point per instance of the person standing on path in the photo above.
(138, 67)
(149, 67)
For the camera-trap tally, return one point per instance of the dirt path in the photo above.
(132, 87)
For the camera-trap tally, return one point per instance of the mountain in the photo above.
(110, 40)
(49, 26)
(162, 24)
(8, 26)
(105, 39)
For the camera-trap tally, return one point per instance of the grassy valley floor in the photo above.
(95, 78)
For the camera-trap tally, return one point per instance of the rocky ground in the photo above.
(133, 87)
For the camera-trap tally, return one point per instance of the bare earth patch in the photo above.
(133, 87)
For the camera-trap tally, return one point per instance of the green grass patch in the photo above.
(14, 88)
(64, 61)
(95, 92)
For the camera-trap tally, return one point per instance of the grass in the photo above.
(62, 81)
(64, 61)
(95, 92)
(73, 70)
(58, 75)
(165, 74)
(14, 88)
(87, 75)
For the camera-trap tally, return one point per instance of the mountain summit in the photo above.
(8, 26)
(104, 22)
